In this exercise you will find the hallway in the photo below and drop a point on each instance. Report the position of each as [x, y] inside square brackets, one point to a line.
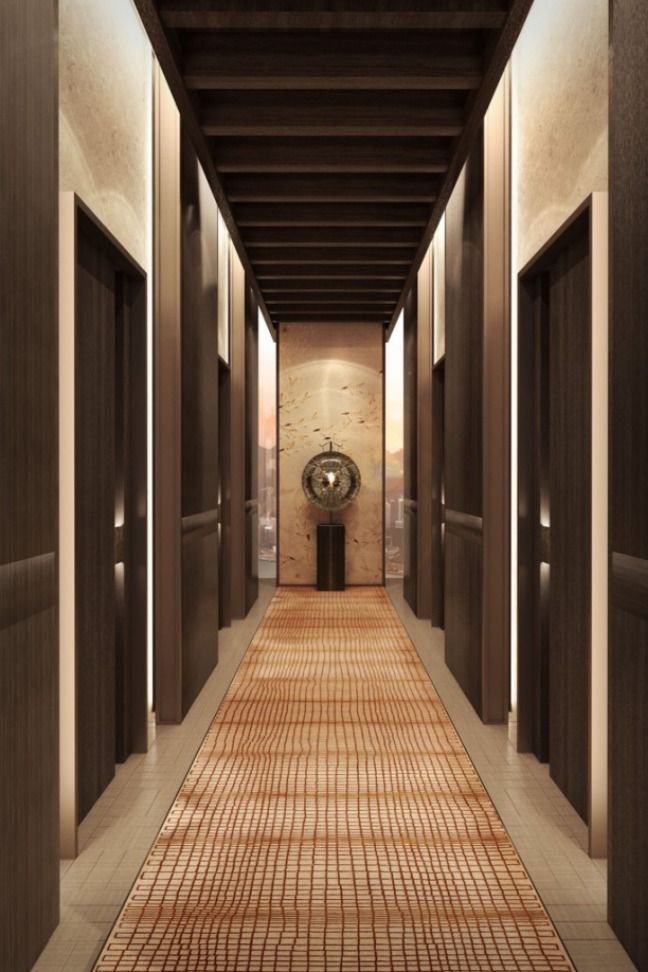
[324, 558]
[332, 819]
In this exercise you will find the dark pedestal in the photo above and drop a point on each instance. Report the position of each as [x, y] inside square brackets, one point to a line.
[330, 557]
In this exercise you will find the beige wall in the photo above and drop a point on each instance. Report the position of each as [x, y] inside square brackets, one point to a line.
[105, 73]
[560, 115]
[331, 383]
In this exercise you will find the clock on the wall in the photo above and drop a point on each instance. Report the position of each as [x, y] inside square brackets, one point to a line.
[331, 481]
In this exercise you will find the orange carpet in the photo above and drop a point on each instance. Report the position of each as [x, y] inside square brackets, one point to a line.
[332, 821]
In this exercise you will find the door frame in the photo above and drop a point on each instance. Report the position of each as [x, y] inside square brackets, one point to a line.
[72, 211]
[532, 542]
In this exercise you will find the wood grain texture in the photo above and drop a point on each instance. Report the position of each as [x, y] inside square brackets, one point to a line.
[200, 431]
[167, 390]
[95, 520]
[555, 535]
[437, 495]
[29, 870]
[463, 426]
[570, 435]
[237, 439]
[251, 448]
[364, 104]
[463, 611]
[628, 649]
[225, 506]
[410, 452]
[464, 339]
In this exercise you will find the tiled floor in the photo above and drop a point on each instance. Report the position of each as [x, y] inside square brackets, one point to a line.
[121, 828]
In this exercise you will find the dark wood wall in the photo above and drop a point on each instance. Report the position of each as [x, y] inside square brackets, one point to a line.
[110, 508]
[251, 447]
[410, 452]
[463, 427]
[555, 535]
[628, 650]
[200, 430]
[570, 475]
[95, 520]
[29, 868]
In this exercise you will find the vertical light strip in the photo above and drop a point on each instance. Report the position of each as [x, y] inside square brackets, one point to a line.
[67, 586]
[598, 810]
[514, 389]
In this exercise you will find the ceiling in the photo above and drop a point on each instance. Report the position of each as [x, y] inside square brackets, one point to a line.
[333, 133]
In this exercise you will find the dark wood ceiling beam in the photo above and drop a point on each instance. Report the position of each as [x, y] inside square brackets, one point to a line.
[265, 256]
[164, 50]
[319, 214]
[256, 15]
[329, 113]
[319, 297]
[346, 289]
[280, 187]
[343, 317]
[339, 269]
[496, 59]
[379, 310]
[310, 60]
[366, 155]
[312, 275]
[307, 300]
[332, 237]
[333, 113]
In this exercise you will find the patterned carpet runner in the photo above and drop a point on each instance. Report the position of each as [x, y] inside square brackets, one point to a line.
[332, 821]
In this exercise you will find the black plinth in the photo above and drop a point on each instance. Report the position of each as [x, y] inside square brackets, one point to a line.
[330, 557]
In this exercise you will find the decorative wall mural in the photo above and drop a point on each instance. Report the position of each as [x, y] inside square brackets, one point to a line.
[331, 387]
[331, 480]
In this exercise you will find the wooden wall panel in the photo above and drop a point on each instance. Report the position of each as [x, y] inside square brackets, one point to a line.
[417, 459]
[410, 452]
[237, 440]
[463, 610]
[167, 390]
[628, 650]
[95, 521]
[463, 428]
[464, 338]
[200, 432]
[571, 512]
[29, 869]
[251, 448]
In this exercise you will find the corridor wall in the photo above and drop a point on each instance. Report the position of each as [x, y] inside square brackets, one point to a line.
[105, 115]
[628, 648]
[29, 666]
[331, 386]
[476, 413]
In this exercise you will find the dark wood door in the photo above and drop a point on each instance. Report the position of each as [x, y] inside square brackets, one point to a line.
[438, 496]
[110, 510]
[224, 496]
[251, 448]
[96, 514]
[410, 454]
[555, 508]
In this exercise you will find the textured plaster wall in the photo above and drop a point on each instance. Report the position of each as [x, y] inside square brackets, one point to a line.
[560, 115]
[105, 72]
[331, 384]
